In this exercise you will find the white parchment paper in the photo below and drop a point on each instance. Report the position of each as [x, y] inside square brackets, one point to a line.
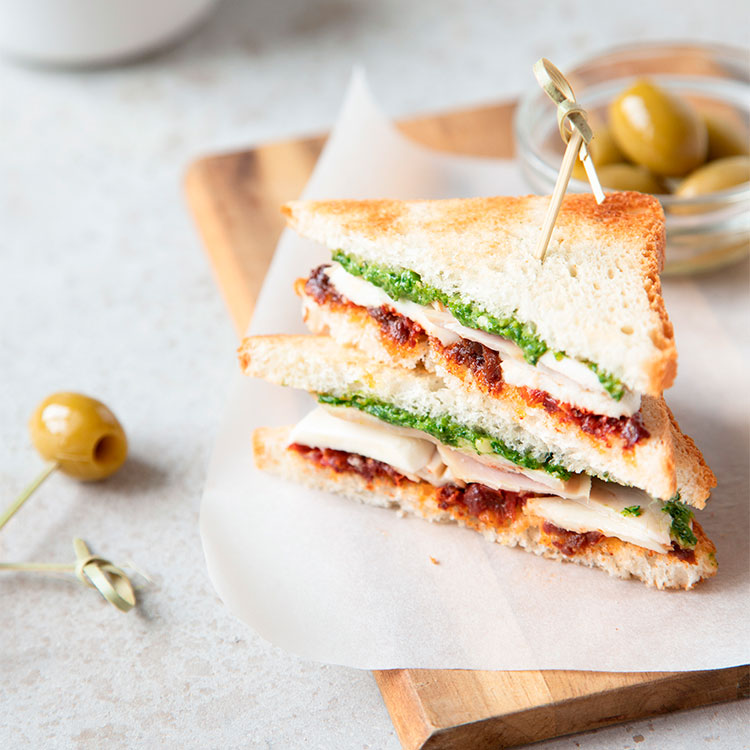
[338, 582]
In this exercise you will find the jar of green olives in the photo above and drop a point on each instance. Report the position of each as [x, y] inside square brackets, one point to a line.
[668, 119]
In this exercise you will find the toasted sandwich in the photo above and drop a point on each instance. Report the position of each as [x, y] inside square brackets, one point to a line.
[388, 436]
[464, 380]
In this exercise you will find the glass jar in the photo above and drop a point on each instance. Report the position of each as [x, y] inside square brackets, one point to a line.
[702, 232]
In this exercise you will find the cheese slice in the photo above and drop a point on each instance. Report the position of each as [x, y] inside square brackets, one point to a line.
[603, 512]
[567, 379]
[320, 429]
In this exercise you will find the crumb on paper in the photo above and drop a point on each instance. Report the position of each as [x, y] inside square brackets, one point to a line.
[434, 561]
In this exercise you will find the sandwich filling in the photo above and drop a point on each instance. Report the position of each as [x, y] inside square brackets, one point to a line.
[401, 283]
[448, 431]
[527, 361]
[346, 439]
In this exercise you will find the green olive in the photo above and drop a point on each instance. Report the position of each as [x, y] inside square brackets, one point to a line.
[603, 151]
[80, 434]
[715, 176]
[724, 138]
[658, 130]
[630, 177]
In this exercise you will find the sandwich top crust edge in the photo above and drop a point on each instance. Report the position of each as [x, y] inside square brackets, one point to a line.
[597, 295]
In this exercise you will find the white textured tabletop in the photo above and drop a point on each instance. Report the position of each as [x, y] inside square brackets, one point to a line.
[104, 289]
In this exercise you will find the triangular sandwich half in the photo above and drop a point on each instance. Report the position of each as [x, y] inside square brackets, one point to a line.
[409, 439]
[588, 321]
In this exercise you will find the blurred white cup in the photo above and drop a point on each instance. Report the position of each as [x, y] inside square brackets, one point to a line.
[94, 32]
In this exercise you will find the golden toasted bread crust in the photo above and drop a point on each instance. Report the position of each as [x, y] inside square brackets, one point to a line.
[694, 477]
[650, 230]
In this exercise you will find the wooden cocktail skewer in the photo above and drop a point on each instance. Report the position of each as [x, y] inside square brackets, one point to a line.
[109, 580]
[14, 507]
[574, 128]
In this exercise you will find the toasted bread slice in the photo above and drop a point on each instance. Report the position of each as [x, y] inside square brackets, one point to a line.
[596, 296]
[321, 365]
[526, 530]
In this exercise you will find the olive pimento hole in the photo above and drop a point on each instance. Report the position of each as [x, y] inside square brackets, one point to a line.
[105, 449]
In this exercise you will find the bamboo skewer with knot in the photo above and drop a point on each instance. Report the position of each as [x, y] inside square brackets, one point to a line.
[576, 132]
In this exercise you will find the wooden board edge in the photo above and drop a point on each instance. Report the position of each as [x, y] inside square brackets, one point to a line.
[404, 707]
[662, 693]
[427, 129]
[228, 224]
[225, 265]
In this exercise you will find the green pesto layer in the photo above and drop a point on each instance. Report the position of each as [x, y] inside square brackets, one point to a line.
[445, 429]
[401, 283]
[681, 516]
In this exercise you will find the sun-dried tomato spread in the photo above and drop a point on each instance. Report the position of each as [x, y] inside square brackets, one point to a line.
[569, 542]
[476, 505]
[397, 327]
[486, 366]
[502, 506]
[484, 363]
[496, 506]
[341, 461]
[629, 429]
[319, 287]
[687, 555]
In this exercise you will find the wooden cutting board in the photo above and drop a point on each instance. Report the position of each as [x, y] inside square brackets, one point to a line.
[235, 200]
